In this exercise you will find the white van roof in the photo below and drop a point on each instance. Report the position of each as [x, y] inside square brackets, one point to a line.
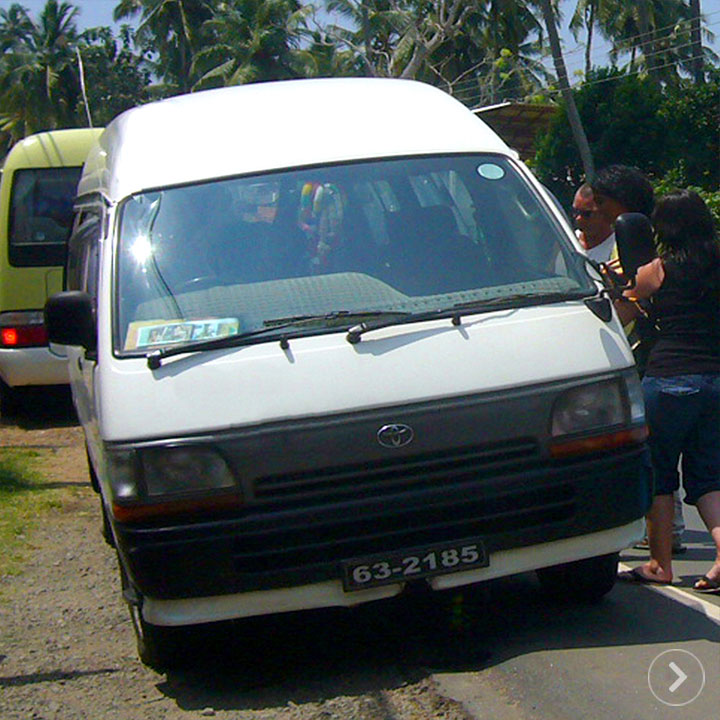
[269, 126]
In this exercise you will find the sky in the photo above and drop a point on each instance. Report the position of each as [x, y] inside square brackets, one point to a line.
[99, 12]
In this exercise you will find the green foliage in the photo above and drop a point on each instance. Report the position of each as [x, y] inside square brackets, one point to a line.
[169, 34]
[115, 78]
[691, 116]
[38, 78]
[628, 119]
[250, 41]
[480, 52]
[673, 181]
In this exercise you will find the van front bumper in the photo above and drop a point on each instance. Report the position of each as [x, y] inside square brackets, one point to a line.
[32, 366]
[192, 611]
[525, 518]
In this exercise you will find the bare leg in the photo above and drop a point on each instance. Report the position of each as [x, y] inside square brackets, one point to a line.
[709, 507]
[659, 528]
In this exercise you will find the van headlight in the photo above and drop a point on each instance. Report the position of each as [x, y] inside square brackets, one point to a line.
[183, 470]
[588, 408]
[597, 416]
[166, 471]
[169, 480]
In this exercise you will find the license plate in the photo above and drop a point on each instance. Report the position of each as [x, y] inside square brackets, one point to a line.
[388, 568]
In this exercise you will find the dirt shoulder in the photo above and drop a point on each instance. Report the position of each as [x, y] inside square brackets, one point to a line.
[67, 649]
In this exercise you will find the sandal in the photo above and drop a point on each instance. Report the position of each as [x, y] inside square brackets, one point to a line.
[636, 576]
[709, 586]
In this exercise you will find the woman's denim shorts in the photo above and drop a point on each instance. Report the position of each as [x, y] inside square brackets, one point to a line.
[683, 413]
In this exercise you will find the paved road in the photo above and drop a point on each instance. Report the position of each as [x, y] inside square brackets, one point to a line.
[624, 658]
[690, 566]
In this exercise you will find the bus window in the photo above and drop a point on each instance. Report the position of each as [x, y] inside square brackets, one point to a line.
[41, 213]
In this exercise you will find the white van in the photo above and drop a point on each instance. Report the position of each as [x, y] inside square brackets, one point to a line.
[329, 338]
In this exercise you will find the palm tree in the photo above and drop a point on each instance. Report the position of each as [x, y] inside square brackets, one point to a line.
[649, 31]
[550, 19]
[328, 58]
[510, 36]
[584, 16]
[660, 35]
[38, 78]
[375, 33]
[15, 27]
[170, 30]
[397, 38]
[253, 40]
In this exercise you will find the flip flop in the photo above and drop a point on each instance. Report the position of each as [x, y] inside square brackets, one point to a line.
[712, 587]
[635, 576]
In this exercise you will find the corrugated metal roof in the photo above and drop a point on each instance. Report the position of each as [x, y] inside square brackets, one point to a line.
[518, 124]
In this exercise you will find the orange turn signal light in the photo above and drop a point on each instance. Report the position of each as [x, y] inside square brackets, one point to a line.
[599, 443]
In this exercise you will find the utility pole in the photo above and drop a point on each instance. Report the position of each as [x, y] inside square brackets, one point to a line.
[81, 70]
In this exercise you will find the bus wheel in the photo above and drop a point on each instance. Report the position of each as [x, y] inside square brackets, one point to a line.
[10, 400]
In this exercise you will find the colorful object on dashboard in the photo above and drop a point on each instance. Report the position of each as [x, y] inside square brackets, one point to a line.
[321, 214]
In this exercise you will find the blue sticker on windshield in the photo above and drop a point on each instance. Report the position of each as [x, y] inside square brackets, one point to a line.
[491, 171]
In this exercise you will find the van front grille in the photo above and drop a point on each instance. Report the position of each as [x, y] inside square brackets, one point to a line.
[380, 478]
[433, 517]
[352, 511]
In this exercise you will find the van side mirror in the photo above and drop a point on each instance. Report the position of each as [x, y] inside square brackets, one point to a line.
[70, 320]
[634, 237]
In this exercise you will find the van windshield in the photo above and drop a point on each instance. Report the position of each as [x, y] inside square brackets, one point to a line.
[391, 236]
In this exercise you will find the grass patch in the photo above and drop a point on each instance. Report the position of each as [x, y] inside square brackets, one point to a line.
[25, 499]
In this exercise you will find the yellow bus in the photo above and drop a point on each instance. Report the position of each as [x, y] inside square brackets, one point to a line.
[37, 190]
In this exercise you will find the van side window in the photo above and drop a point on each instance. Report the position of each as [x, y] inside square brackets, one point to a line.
[41, 214]
[83, 254]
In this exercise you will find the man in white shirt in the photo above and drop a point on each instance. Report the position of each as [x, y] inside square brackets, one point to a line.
[618, 189]
[594, 230]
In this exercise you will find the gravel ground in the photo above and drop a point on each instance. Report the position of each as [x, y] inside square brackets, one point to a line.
[67, 649]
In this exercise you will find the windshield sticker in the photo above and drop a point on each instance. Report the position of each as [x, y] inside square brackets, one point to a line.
[491, 171]
[154, 333]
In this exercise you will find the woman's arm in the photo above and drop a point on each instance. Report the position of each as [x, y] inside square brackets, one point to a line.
[648, 280]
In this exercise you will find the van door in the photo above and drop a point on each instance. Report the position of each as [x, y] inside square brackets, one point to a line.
[82, 274]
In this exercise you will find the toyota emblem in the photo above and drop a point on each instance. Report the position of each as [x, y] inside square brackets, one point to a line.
[395, 435]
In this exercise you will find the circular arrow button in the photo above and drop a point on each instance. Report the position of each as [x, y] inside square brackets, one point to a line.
[676, 677]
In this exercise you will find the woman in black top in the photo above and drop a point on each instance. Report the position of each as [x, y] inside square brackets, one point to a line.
[682, 379]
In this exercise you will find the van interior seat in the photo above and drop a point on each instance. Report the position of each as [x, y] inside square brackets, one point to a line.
[428, 254]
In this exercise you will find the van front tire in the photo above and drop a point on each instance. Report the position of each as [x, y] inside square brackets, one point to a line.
[160, 648]
[583, 581]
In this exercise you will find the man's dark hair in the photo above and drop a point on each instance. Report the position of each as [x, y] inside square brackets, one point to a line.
[627, 185]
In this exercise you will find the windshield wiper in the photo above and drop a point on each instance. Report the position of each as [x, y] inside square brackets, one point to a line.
[518, 300]
[334, 316]
[155, 358]
[457, 310]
